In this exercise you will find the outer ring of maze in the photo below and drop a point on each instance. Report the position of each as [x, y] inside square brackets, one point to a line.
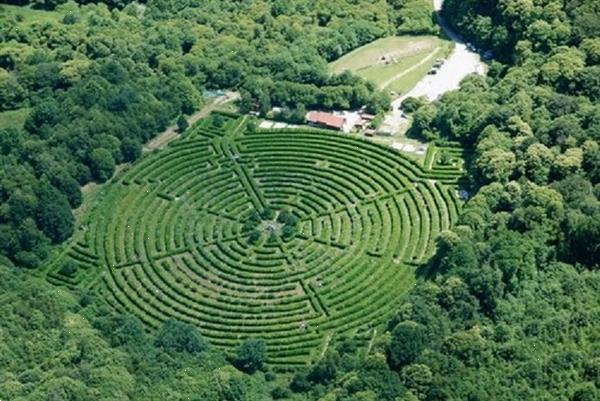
[174, 245]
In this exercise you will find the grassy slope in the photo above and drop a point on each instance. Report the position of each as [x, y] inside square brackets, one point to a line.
[29, 14]
[408, 81]
[406, 52]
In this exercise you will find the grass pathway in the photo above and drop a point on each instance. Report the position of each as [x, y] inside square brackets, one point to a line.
[171, 133]
[396, 77]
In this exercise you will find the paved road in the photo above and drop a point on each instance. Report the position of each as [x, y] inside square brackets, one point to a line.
[458, 65]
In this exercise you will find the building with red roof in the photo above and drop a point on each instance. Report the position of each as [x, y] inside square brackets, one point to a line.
[326, 120]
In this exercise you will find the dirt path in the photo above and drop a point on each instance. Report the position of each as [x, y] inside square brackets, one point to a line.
[170, 134]
[409, 70]
[91, 190]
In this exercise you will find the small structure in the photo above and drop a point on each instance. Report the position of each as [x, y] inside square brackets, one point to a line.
[367, 116]
[346, 120]
[369, 132]
[385, 130]
[326, 120]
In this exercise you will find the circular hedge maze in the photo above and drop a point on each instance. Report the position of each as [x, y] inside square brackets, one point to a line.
[290, 235]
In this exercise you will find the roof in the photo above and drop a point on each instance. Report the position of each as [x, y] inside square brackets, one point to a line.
[328, 119]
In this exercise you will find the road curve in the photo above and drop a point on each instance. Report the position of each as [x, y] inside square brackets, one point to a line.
[458, 65]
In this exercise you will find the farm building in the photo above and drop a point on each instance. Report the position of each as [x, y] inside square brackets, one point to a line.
[346, 121]
[326, 120]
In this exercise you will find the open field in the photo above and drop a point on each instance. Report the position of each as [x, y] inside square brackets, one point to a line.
[394, 63]
[30, 15]
[13, 118]
[172, 235]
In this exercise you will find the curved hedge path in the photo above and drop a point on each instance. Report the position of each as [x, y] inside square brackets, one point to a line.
[171, 241]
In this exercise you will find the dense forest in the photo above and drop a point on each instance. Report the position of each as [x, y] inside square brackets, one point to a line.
[510, 309]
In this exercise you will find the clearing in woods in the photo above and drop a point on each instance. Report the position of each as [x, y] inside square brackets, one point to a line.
[394, 63]
[14, 118]
[292, 235]
[34, 16]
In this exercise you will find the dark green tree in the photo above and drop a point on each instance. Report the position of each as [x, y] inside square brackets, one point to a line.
[180, 337]
[69, 268]
[408, 341]
[131, 148]
[182, 123]
[102, 164]
[54, 215]
[251, 355]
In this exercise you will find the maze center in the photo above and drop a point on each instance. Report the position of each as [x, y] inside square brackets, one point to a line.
[172, 237]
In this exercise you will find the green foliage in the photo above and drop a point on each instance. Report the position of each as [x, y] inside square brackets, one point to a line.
[288, 231]
[408, 341]
[325, 370]
[69, 268]
[89, 353]
[54, 215]
[273, 239]
[412, 104]
[507, 308]
[508, 311]
[122, 330]
[284, 217]
[182, 123]
[218, 120]
[70, 18]
[267, 213]
[280, 393]
[377, 120]
[180, 337]
[251, 355]
[102, 164]
[131, 149]
[414, 16]
[254, 236]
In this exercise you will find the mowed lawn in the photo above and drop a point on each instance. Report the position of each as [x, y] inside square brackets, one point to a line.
[395, 63]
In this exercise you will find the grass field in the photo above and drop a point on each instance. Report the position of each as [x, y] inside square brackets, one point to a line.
[394, 63]
[171, 236]
[13, 118]
[29, 14]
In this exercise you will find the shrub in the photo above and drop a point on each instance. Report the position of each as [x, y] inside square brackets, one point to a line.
[251, 355]
[300, 383]
[279, 393]
[69, 268]
[412, 104]
[254, 236]
[267, 213]
[182, 123]
[288, 231]
[408, 339]
[180, 337]
[70, 18]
